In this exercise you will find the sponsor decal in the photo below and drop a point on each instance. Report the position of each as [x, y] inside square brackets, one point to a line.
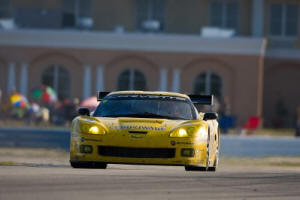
[142, 127]
[186, 143]
[128, 127]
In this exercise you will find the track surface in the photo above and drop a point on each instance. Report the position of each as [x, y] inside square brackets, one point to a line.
[147, 182]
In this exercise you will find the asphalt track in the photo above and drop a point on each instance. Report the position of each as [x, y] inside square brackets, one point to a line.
[147, 182]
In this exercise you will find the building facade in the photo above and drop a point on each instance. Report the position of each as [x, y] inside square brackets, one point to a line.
[244, 51]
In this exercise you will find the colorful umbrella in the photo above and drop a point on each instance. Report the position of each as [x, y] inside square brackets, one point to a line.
[18, 100]
[45, 94]
[90, 102]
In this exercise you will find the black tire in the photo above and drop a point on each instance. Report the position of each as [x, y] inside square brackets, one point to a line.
[89, 165]
[194, 168]
[75, 165]
[212, 169]
[99, 165]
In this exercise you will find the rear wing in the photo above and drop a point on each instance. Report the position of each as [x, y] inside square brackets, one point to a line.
[202, 99]
[101, 95]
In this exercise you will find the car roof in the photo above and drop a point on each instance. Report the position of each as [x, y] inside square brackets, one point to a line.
[151, 93]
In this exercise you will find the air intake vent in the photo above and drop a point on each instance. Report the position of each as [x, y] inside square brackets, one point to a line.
[138, 132]
[136, 152]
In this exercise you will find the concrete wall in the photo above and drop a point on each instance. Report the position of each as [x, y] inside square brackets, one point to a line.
[180, 16]
[183, 17]
[108, 14]
[282, 81]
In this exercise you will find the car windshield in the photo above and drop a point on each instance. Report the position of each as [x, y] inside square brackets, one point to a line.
[146, 106]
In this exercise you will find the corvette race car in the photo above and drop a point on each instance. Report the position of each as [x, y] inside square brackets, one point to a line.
[137, 127]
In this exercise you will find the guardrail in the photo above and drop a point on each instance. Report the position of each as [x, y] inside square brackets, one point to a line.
[37, 138]
[251, 146]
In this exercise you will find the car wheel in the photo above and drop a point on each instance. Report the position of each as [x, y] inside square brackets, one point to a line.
[211, 169]
[214, 167]
[89, 165]
[98, 165]
[194, 168]
[76, 165]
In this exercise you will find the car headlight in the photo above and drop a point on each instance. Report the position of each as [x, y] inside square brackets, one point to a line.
[92, 129]
[198, 132]
[179, 133]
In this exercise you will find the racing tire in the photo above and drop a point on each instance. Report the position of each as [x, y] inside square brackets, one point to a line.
[89, 165]
[194, 168]
[214, 167]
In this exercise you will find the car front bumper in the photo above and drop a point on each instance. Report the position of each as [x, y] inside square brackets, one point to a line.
[162, 151]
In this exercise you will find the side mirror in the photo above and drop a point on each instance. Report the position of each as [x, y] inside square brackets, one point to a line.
[210, 116]
[84, 111]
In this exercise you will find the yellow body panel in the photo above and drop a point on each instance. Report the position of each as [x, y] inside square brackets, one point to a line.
[127, 132]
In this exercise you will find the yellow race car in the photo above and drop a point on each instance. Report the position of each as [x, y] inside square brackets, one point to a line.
[137, 127]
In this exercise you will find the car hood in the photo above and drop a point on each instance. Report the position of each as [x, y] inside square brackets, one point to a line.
[143, 124]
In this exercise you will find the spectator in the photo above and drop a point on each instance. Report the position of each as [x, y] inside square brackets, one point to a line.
[75, 107]
[45, 114]
[69, 110]
[57, 114]
[226, 120]
[34, 113]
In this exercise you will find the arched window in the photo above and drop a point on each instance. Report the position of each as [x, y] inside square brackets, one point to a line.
[59, 79]
[131, 79]
[208, 83]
